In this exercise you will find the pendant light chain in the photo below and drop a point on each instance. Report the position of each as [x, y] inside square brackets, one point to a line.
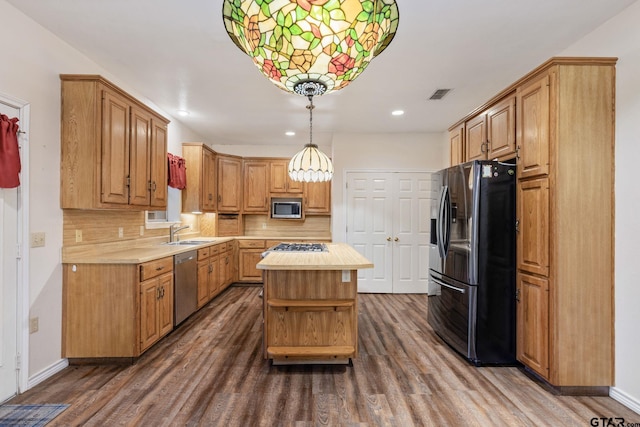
[310, 107]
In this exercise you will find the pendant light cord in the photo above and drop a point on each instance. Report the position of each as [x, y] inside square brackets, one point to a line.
[310, 107]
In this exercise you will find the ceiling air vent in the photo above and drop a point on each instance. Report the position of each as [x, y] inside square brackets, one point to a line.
[439, 94]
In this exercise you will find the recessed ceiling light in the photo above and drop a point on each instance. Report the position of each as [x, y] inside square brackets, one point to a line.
[290, 133]
[183, 113]
[397, 112]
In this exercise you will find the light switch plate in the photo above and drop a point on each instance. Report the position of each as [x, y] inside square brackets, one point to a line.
[37, 239]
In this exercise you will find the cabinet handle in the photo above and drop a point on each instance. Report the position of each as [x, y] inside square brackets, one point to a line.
[482, 147]
[517, 295]
[210, 196]
[159, 268]
[219, 198]
[517, 225]
[157, 293]
[518, 153]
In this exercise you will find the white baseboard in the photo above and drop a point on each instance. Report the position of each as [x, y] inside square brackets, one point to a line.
[624, 398]
[46, 373]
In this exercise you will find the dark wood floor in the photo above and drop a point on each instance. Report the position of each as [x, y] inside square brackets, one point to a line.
[210, 372]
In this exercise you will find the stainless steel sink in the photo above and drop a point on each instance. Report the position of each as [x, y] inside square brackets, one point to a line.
[183, 242]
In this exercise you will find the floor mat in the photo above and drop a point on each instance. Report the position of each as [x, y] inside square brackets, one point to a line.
[29, 415]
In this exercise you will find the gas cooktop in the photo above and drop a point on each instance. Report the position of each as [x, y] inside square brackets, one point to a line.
[300, 247]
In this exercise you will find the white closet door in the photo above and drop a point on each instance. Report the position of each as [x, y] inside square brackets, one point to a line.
[411, 226]
[369, 227]
[388, 221]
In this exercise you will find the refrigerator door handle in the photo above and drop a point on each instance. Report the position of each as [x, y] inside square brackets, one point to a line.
[440, 223]
[446, 226]
[441, 283]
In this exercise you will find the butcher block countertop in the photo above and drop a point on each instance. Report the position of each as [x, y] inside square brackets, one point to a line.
[340, 256]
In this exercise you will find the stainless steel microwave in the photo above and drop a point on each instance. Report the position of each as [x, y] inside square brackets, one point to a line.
[286, 208]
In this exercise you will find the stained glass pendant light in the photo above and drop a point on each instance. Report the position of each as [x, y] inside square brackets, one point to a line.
[323, 43]
[310, 164]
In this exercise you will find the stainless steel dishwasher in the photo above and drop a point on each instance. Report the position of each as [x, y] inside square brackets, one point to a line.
[185, 285]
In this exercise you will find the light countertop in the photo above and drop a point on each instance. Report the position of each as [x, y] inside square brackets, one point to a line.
[339, 256]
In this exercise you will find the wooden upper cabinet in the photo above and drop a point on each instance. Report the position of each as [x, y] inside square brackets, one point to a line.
[107, 155]
[317, 198]
[256, 186]
[200, 192]
[114, 147]
[159, 189]
[501, 130]
[280, 181]
[533, 127]
[476, 138]
[456, 145]
[229, 184]
[140, 161]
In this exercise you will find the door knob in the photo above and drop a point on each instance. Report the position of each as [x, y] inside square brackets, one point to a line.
[388, 239]
[396, 239]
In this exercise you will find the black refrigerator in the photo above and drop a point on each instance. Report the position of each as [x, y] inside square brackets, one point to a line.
[472, 261]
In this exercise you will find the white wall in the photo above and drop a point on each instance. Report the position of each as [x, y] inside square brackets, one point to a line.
[620, 37]
[383, 152]
[32, 59]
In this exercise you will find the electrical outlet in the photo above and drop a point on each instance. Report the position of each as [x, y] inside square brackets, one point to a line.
[120, 232]
[142, 230]
[33, 325]
[264, 225]
[78, 236]
[37, 239]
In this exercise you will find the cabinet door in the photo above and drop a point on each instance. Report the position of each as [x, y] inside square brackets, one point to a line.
[255, 183]
[476, 138]
[317, 199]
[159, 191]
[532, 128]
[209, 176]
[204, 273]
[229, 184]
[247, 260]
[533, 226]
[149, 313]
[280, 181]
[165, 304]
[532, 345]
[456, 146]
[139, 162]
[501, 129]
[115, 149]
[216, 276]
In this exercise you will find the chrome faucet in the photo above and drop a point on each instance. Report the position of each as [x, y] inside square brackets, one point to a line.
[173, 232]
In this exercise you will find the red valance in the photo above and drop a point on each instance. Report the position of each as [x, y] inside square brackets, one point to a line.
[9, 152]
[177, 172]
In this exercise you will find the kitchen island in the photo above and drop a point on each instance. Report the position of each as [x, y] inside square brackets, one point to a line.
[310, 305]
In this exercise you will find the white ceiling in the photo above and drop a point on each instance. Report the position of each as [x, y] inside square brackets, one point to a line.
[177, 54]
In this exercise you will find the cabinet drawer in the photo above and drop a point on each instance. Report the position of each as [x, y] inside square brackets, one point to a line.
[204, 253]
[215, 249]
[251, 244]
[155, 268]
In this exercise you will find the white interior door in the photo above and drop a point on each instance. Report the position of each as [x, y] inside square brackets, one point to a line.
[8, 283]
[369, 227]
[388, 221]
[411, 227]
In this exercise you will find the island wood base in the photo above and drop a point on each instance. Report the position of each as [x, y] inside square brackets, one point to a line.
[310, 316]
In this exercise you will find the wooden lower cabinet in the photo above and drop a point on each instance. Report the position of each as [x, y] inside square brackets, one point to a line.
[532, 346]
[250, 254]
[310, 315]
[227, 267]
[156, 309]
[115, 310]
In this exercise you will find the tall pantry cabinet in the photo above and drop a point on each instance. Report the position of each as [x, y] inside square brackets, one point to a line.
[565, 221]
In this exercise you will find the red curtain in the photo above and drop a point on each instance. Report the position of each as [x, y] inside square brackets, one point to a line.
[9, 153]
[177, 172]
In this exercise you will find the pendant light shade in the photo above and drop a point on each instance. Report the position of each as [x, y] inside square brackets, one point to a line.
[329, 42]
[310, 165]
